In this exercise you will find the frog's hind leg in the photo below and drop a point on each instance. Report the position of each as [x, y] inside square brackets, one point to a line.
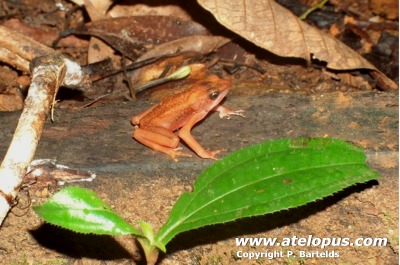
[160, 140]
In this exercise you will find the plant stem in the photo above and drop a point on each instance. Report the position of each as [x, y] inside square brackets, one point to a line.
[312, 9]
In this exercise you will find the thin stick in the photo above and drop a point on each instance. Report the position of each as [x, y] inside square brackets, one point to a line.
[22, 45]
[48, 73]
[320, 5]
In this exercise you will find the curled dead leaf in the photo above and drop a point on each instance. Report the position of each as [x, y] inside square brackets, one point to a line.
[186, 48]
[274, 28]
[134, 35]
[198, 72]
[200, 44]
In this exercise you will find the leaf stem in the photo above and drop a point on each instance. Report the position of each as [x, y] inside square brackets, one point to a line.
[312, 9]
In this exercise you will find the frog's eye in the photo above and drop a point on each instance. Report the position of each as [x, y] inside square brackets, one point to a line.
[214, 95]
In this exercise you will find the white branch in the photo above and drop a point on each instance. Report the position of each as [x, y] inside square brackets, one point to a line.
[48, 73]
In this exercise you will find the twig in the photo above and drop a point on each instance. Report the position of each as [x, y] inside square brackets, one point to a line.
[49, 72]
[313, 8]
[13, 59]
[21, 46]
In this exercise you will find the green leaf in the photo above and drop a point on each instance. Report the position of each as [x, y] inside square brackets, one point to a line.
[180, 73]
[82, 211]
[266, 178]
[150, 248]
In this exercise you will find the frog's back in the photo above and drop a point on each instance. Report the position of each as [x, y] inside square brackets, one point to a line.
[175, 111]
[172, 113]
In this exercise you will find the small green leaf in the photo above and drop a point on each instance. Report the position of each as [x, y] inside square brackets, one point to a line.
[150, 248]
[266, 178]
[180, 73]
[147, 231]
[82, 211]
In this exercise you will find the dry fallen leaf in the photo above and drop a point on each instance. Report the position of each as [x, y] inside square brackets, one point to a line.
[98, 49]
[44, 35]
[134, 35]
[274, 28]
[390, 8]
[196, 43]
[47, 172]
[97, 9]
[100, 5]
[162, 67]
[158, 93]
[11, 99]
[185, 48]
[121, 10]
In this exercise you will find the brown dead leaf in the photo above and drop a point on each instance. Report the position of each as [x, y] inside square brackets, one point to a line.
[11, 99]
[120, 10]
[198, 43]
[43, 34]
[163, 67]
[186, 48]
[97, 10]
[389, 8]
[134, 35]
[158, 93]
[274, 28]
[356, 81]
[98, 49]
[43, 173]
[101, 5]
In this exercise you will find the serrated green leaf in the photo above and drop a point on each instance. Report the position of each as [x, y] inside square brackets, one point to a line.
[266, 178]
[82, 211]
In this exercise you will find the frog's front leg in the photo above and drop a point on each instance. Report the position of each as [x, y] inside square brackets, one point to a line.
[159, 139]
[225, 112]
[185, 134]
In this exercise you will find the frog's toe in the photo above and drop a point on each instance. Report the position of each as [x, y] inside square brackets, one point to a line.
[174, 153]
[228, 113]
[212, 154]
[239, 113]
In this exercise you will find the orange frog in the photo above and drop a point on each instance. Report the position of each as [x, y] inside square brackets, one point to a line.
[155, 127]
